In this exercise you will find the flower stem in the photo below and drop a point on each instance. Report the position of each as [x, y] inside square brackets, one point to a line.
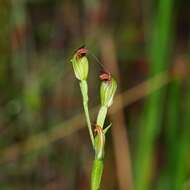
[97, 170]
[98, 164]
[84, 91]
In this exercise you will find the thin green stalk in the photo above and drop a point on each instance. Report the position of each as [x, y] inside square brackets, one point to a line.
[182, 162]
[97, 170]
[84, 91]
[158, 54]
[167, 178]
[182, 165]
[173, 113]
[172, 131]
[98, 163]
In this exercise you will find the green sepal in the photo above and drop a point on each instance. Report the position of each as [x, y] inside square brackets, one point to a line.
[107, 128]
[107, 92]
[80, 67]
[99, 143]
[102, 116]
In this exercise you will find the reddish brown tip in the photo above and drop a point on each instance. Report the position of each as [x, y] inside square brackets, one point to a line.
[81, 52]
[105, 76]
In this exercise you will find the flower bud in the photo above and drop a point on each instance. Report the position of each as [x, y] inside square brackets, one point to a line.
[107, 89]
[80, 64]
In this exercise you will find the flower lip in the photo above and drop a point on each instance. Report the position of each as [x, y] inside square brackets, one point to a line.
[105, 76]
[82, 51]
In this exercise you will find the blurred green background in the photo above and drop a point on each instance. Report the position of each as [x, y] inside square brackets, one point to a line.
[43, 140]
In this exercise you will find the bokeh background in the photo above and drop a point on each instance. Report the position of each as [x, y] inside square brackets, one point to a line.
[44, 143]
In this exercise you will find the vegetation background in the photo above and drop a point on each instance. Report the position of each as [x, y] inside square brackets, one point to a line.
[43, 140]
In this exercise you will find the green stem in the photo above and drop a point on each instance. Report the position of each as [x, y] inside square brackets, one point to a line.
[97, 171]
[98, 163]
[102, 116]
[84, 91]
